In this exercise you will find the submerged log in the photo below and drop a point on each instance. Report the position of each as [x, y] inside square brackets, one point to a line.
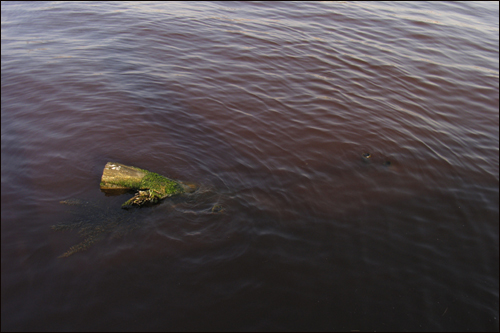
[151, 187]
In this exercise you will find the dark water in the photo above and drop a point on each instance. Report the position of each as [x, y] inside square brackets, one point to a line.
[269, 107]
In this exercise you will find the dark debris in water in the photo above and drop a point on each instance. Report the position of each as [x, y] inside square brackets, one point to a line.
[369, 159]
[217, 209]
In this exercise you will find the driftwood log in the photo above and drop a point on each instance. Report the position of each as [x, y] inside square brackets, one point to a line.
[151, 187]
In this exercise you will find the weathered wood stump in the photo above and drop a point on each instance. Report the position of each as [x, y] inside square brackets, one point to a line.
[120, 176]
[151, 186]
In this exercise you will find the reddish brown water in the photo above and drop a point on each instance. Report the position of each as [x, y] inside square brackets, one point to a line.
[269, 106]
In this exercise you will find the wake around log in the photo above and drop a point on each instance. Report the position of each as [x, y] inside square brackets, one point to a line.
[151, 187]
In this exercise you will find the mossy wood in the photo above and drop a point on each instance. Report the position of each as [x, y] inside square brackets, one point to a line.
[151, 186]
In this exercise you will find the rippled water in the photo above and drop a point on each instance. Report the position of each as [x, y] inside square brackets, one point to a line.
[269, 107]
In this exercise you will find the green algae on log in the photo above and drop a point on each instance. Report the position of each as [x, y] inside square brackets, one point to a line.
[151, 187]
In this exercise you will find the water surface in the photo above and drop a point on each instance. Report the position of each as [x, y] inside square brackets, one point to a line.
[269, 107]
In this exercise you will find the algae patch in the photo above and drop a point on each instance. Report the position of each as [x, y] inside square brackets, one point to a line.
[94, 222]
[152, 188]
